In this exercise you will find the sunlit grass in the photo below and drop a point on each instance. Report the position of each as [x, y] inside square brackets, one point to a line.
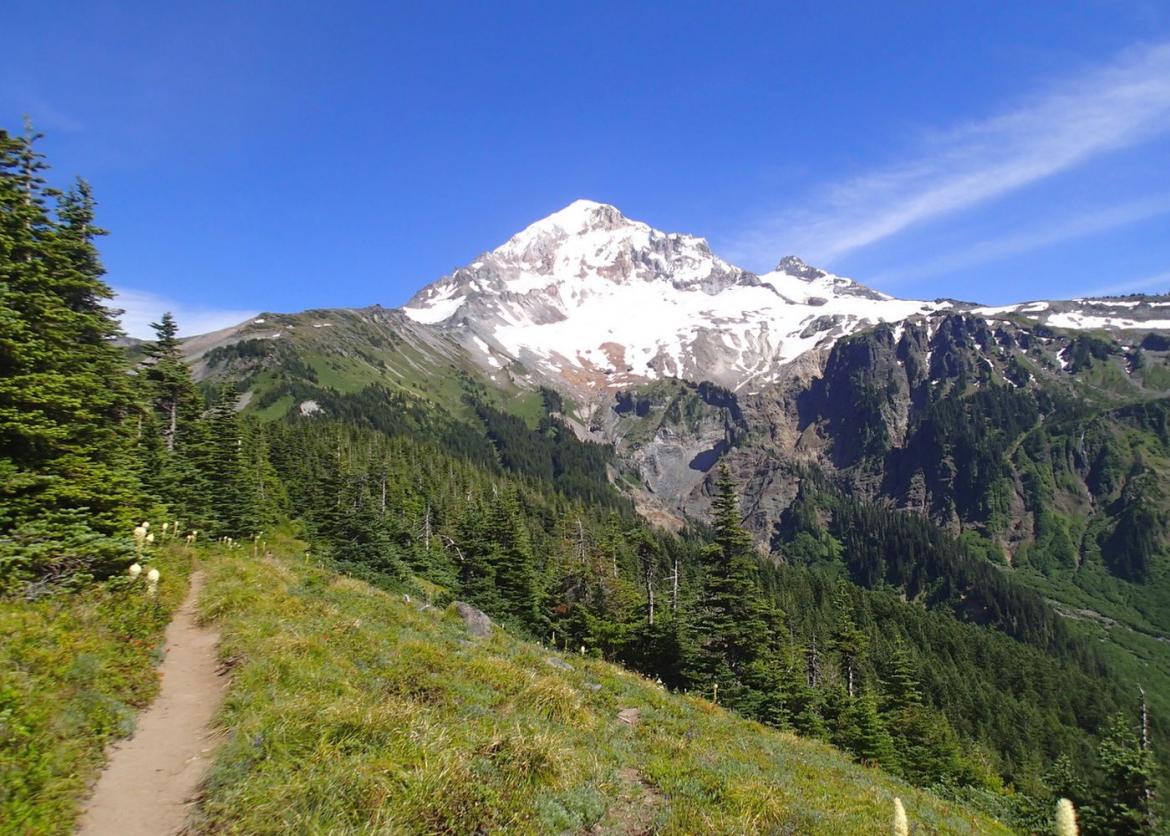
[74, 668]
[354, 711]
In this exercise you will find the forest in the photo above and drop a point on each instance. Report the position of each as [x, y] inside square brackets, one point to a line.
[876, 631]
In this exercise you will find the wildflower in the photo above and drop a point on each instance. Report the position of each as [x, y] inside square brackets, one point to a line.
[135, 569]
[1066, 818]
[901, 824]
[139, 539]
[146, 525]
[150, 538]
[166, 527]
[152, 582]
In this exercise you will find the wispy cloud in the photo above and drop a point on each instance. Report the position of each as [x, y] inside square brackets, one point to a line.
[1113, 107]
[1161, 281]
[142, 307]
[1085, 223]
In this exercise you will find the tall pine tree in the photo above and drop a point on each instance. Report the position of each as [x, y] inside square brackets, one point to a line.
[66, 481]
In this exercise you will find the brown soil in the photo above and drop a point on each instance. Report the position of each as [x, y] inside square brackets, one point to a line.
[151, 780]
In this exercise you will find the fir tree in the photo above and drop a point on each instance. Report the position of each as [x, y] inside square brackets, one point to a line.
[1128, 782]
[64, 391]
[222, 461]
[732, 621]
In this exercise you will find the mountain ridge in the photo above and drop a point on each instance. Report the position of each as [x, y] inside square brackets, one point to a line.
[591, 302]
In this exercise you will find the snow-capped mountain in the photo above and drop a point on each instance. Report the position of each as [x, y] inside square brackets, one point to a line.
[590, 299]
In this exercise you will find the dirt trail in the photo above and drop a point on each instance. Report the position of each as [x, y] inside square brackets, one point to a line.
[149, 783]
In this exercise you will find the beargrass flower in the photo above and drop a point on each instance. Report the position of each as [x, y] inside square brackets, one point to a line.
[901, 823]
[1066, 818]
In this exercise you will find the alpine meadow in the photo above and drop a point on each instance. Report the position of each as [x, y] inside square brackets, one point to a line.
[599, 532]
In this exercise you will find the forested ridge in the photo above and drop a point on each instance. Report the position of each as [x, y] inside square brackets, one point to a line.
[878, 632]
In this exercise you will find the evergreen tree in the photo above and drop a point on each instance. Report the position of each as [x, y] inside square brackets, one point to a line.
[172, 392]
[731, 624]
[222, 462]
[864, 733]
[174, 434]
[1128, 782]
[901, 685]
[848, 641]
[512, 559]
[64, 393]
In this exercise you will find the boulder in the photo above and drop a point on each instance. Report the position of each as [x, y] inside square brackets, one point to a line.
[478, 624]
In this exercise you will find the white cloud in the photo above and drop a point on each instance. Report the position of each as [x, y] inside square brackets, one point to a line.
[142, 307]
[1118, 106]
[1083, 224]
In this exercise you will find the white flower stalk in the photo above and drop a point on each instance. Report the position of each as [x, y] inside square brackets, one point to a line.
[146, 525]
[152, 582]
[135, 570]
[901, 823]
[150, 539]
[139, 539]
[1066, 819]
[166, 528]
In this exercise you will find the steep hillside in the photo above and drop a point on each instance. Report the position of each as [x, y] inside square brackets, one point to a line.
[286, 363]
[354, 709]
[993, 469]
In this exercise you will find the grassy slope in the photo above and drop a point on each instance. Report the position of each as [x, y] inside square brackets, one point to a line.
[73, 668]
[351, 710]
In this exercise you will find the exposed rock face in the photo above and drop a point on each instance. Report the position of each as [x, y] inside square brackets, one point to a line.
[670, 434]
[477, 622]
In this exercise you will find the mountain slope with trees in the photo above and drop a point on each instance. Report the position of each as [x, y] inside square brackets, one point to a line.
[878, 632]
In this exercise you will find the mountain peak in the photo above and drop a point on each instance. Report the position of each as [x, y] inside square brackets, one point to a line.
[592, 299]
[794, 266]
[578, 218]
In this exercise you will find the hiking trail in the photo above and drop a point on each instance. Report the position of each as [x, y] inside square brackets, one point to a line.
[149, 784]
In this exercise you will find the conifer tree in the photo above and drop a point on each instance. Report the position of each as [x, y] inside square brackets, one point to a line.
[731, 623]
[512, 559]
[902, 689]
[865, 734]
[173, 433]
[173, 395]
[222, 461]
[1128, 782]
[848, 641]
[65, 460]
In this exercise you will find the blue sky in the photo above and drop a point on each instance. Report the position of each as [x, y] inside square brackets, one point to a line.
[284, 155]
